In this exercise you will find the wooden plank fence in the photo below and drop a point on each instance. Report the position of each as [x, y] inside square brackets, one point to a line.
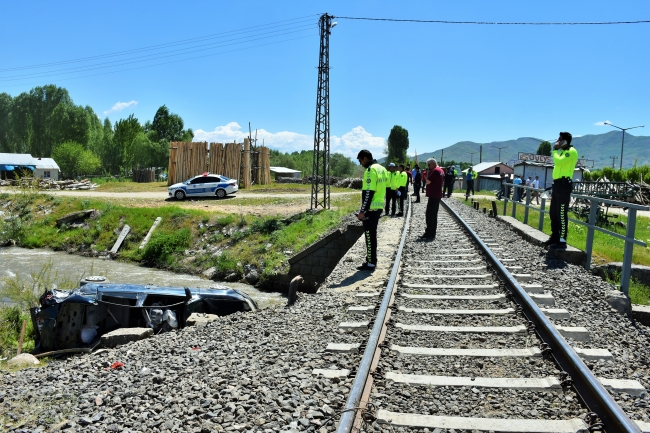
[187, 160]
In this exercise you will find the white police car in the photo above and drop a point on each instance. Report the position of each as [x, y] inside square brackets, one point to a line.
[205, 185]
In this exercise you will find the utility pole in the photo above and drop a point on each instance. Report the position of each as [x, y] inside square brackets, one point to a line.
[613, 158]
[320, 177]
[471, 157]
[497, 147]
[442, 155]
[480, 154]
[620, 167]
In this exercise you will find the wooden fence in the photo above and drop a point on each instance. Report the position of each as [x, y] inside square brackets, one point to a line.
[144, 175]
[187, 160]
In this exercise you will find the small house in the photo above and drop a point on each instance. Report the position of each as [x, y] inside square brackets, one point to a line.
[14, 165]
[489, 175]
[285, 172]
[46, 168]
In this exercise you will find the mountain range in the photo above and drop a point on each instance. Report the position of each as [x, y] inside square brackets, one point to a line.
[598, 148]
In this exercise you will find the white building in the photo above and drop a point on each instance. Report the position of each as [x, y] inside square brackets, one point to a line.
[544, 171]
[12, 164]
[285, 172]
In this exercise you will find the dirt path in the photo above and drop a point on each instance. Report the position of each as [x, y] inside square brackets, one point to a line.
[164, 195]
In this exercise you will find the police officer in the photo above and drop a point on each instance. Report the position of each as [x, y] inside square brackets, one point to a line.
[402, 188]
[375, 178]
[565, 158]
[391, 189]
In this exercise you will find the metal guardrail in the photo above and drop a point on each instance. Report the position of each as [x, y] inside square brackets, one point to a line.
[594, 202]
[358, 386]
[589, 388]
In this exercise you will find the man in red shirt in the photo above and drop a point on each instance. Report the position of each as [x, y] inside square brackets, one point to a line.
[435, 180]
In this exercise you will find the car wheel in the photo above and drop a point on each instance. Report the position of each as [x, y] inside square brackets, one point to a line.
[221, 193]
[180, 195]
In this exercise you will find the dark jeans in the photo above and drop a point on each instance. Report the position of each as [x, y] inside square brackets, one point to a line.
[501, 192]
[391, 196]
[416, 191]
[470, 186]
[559, 212]
[449, 188]
[402, 196]
[370, 228]
[432, 217]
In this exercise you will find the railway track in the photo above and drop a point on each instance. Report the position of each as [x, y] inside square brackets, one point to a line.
[460, 339]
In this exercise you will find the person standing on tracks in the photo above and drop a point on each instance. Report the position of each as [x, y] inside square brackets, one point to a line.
[401, 188]
[391, 190]
[449, 181]
[409, 177]
[469, 178]
[417, 183]
[565, 158]
[435, 180]
[424, 179]
[375, 179]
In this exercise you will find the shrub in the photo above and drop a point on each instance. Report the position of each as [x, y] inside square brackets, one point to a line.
[162, 246]
[266, 227]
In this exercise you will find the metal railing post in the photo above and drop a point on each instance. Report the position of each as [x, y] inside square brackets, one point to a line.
[542, 208]
[593, 212]
[627, 252]
[527, 206]
[505, 200]
[514, 202]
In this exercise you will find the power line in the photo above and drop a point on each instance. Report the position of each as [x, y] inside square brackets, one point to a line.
[157, 56]
[521, 23]
[167, 44]
[169, 62]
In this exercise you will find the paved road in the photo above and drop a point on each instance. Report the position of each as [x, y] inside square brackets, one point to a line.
[162, 195]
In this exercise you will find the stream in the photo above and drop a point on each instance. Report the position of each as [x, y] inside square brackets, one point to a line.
[22, 262]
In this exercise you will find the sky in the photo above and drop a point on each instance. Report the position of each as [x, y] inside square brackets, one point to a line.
[221, 65]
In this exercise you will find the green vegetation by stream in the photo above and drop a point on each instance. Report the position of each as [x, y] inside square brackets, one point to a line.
[187, 240]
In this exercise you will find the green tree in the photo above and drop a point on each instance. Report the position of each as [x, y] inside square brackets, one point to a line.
[544, 148]
[88, 163]
[397, 145]
[73, 159]
[168, 126]
[341, 165]
[6, 104]
[125, 133]
[68, 122]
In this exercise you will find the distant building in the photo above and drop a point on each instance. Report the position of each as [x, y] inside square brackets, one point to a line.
[489, 175]
[544, 171]
[14, 165]
[285, 172]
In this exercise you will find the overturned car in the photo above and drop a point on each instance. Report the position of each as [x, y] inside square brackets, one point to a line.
[77, 318]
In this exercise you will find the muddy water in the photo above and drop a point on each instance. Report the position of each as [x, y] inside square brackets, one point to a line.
[21, 262]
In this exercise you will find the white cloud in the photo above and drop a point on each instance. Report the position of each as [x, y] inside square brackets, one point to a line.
[601, 123]
[286, 141]
[119, 106]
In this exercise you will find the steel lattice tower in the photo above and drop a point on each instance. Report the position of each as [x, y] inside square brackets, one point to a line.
[320, 179]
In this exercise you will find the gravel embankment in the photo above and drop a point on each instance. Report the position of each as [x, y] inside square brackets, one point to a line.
[246, 372]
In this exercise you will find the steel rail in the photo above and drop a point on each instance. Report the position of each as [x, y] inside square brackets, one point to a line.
[592, 392]
[350, 412]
